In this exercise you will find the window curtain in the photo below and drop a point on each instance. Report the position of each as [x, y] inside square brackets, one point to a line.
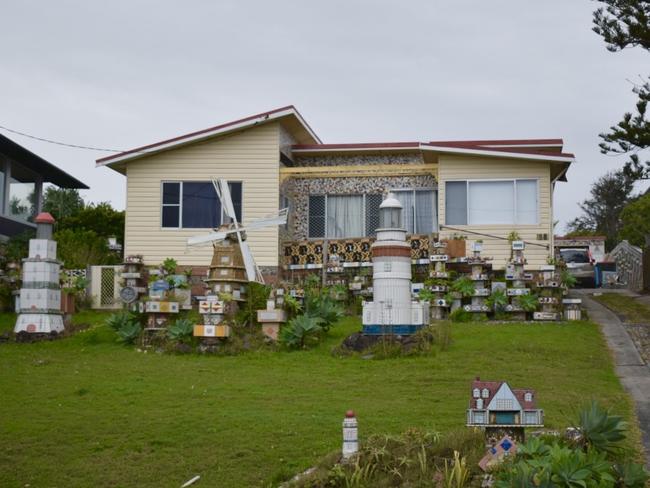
[526, 201]
[345, 216]
[424, 214]
[491, 202]
[456, 203]
[407, 199]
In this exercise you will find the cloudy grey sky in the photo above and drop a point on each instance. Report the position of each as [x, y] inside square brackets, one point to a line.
[121, 74]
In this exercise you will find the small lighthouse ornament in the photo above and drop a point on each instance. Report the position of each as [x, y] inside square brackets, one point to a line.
[392, 312]
[40, 295]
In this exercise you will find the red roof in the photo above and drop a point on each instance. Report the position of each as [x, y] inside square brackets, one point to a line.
[493, 387]
[44, 218]
[190, 135]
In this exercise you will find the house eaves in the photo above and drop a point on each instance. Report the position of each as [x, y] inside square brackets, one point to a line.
[281, 114]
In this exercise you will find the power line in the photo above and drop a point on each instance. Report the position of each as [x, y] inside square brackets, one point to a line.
[58, 143]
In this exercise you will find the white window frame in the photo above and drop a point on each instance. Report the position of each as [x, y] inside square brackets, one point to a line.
[434, 206]
[363, 210]
[180, 204]
[514, 203]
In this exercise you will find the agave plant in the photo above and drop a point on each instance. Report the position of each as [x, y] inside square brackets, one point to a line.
[292, 305]
[600, 429]
[301, 332]
[181, 330]
[117, 320]
[129, 332]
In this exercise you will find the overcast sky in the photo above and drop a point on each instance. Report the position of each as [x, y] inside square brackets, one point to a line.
[121, 74]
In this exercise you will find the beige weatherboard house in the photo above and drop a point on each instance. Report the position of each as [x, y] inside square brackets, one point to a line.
[479, 189]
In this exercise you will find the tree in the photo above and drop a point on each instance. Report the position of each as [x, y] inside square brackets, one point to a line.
[62, 202]
[78, 248]
[100, 218]
[635, 221]
[622, 24]
[602, 212]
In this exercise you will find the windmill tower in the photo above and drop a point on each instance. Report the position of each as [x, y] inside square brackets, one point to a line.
[232, 266]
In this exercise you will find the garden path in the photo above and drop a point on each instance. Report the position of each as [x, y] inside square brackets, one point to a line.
[633, 372]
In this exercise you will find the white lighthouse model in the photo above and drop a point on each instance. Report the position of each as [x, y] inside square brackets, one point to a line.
[40, 295]
[392, 312]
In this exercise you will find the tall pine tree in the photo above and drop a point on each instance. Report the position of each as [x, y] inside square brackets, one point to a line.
[623, 24]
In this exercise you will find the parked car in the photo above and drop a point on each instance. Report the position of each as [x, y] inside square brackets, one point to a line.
[580, 264]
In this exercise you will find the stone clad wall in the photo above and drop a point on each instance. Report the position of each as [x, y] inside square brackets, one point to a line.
[297, 190]
[357, 159]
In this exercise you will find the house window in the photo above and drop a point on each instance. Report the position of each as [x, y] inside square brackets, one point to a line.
[482, 202]
[504, 404]
[528, 397]
[476, 393]
[479, 403]
[530, 417]
[195, 204]
[339, 216]
[419, 210]
[479, 417]
[485, 393]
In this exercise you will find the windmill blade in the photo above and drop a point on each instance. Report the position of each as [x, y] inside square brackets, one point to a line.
[223, 192]
[251, 268]
[278, 219]
[207, 239]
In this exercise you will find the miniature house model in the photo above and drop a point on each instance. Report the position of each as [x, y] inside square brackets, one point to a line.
[392, 311]
[494, 404]
[40, 295]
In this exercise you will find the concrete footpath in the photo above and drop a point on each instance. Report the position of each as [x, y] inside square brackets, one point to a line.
[630, 367]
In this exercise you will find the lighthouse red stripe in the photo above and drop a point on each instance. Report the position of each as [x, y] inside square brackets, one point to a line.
[399, 251]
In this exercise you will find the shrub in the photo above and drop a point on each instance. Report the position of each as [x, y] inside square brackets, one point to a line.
[528, 303]
[169, 266]
[426, 295]
[324, 308]
[181, 330]
[461, 315]
[292, 306]
[78, 248]
[464, 286]
[568, 279]
[497, 301]
[256, 296]
[300, 332]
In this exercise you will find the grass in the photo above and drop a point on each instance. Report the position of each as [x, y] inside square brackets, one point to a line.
[85, 411]
[630, 309]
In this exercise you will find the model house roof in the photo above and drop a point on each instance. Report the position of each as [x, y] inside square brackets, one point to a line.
[549, 150]
[49, 172]
[492, 387]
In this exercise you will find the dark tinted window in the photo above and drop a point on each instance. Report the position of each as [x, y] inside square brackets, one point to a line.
[316, 216]
[574, 255]
[201, 206]
[170, 216]
[236, 194]
[171, 193]
[372, 213]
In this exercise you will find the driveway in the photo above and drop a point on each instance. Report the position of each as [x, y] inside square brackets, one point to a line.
[633, 372]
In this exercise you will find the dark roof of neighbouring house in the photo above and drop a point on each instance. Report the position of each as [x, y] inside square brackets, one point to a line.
[49, 172]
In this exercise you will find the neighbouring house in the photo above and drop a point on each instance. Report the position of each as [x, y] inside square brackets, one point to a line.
[594, 244]
[22, 175]
[479, 189]
[495, 404]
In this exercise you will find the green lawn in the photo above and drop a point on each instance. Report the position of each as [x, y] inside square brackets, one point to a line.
[85, 411]
[630, 309]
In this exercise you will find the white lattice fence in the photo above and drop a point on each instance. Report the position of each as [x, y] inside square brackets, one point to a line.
[629, 264]
[70, 277]
[105, 287]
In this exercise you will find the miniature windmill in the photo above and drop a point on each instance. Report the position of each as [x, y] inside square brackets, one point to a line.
[231, 253]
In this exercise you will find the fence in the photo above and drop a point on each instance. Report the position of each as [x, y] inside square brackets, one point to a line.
[105, 287]
[629, 265]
